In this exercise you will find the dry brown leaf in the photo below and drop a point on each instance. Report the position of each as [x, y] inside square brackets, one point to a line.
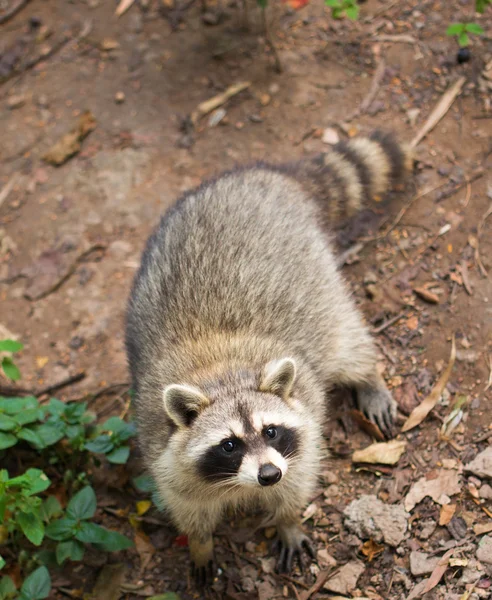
[109, 582]
[368, 426]
[123, 6]
[439, 111]
[145, 549]
[447, 513]
[386, 453]
[424, 408]
[426, 295]
[209, 105]
[70, 143]
[413, 323]
[439, 489]
[481, 528]
[371, 549]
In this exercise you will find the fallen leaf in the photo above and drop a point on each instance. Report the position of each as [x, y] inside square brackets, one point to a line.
[413, 323]
[41, 361]
[368, 426]
[439, 489]
[446, 514]
[371, 549]
[424, 408]
[108, 583]
[426, 295]
[386, 453]
[454, 418]
[145, 549]
[481, 528]
[70, 143]
[481, 465]
[143, 506]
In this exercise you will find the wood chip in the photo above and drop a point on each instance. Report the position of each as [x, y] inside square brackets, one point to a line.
[209, 105]
[123, 6]
[423, 293]
[424, 408]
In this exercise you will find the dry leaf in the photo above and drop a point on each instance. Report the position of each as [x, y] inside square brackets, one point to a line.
[439, 111]
[368, 426]
[439, 489]
[145, 549]
[447, 513]
[424, 408]
[143, 506]
[123, 6]
[371, 549]
[413, 322]
[70, 143]
[426, 295]
[481, 528]
[109, 582]
[387, 453]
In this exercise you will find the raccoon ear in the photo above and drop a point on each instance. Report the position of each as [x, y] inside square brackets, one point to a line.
[183, 403]
[278, 377]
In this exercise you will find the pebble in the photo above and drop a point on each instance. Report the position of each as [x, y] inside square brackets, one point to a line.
[119, 97]
[330, 136]
[484, 551]
[421, 563]
[369, 517]
[16, 101]
[486, 492]
[481, 465]
[345, 580]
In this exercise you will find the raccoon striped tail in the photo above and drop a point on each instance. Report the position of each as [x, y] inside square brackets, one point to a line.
[353, 174]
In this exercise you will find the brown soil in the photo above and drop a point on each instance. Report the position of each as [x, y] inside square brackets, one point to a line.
[139, 159]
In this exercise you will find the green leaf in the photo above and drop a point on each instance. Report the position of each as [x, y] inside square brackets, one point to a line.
[10, 346]
[115, 425]
[481, 5]
[101, 445]
[74, 411]
[73, 431]
[262, 3]
[12, 406]
[166, 596]
[110, 541]
[61, 530]
[49, 434]
[31, 482]
[7, 423]
[144, 483]
[72, 550]
[32, 527]
[50, 508]
[463, 39]
[333, 3]
[7, 588]
[27, 416]
[37, 586]
[7, 440]
[31, 437]
[2, 562]
[474, 28]
[119, 456]
[56, 407]
[10, 370]
[455, 29]
[83, 505]
[352, 12]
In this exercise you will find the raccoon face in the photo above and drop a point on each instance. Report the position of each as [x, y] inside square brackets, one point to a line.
[248, 440]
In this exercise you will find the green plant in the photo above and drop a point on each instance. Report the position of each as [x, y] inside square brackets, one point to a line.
[35, 587]
[462, 30]
[8, 366]
[341, 8]
[112, 441]
[75, 528]
[481, 5]
[21, 508]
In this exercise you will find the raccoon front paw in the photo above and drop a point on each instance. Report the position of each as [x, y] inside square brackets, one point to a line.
[202, 561]
[203, 576]
[292, 543]
[378, 405]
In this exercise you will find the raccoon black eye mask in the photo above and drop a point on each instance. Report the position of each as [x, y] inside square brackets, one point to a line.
[238, 326]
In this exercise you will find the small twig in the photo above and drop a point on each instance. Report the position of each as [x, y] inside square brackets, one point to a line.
[389, 322]
[11, 391]
[439, 111]
[488, 360]
[482, 438]
[372, 93]
[8, 187]
[269, 41]
[61, 384]
[320, 581]
[401, 38]
[13, 11]
[294, 589]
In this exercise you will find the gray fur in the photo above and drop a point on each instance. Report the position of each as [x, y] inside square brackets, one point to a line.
[239, 273]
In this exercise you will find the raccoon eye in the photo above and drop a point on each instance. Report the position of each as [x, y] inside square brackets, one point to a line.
[228, 446]
[271, 432]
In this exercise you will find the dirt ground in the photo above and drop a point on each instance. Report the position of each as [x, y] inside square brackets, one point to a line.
[71, 237]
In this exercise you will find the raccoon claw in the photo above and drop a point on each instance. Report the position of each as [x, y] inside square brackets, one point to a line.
[203, 575]
[295, 550]
[378, 406]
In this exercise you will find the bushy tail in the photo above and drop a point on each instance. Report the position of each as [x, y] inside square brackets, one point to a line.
[353, 174]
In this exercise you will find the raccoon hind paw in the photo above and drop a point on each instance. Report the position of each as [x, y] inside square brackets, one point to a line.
[291, 548]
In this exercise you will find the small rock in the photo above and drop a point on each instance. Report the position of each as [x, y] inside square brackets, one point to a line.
[369, 517]
[119, 97]
[427, 529]
[265, 99]
[274, 89]
[421, 564]
[330, 136]
[346, 579]
[76, 342]
[457, 528]
[484, 551]
[211, 18]
[16, 101]
[481, 465]
[468, 356]
[412, 115]
[216, 117]
[325, 559]
[119, 249]
[486, 492]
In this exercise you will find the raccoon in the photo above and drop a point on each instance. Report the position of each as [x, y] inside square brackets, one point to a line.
[238, 326]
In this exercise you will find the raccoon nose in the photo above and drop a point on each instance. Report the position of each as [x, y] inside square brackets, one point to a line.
[269, 474]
